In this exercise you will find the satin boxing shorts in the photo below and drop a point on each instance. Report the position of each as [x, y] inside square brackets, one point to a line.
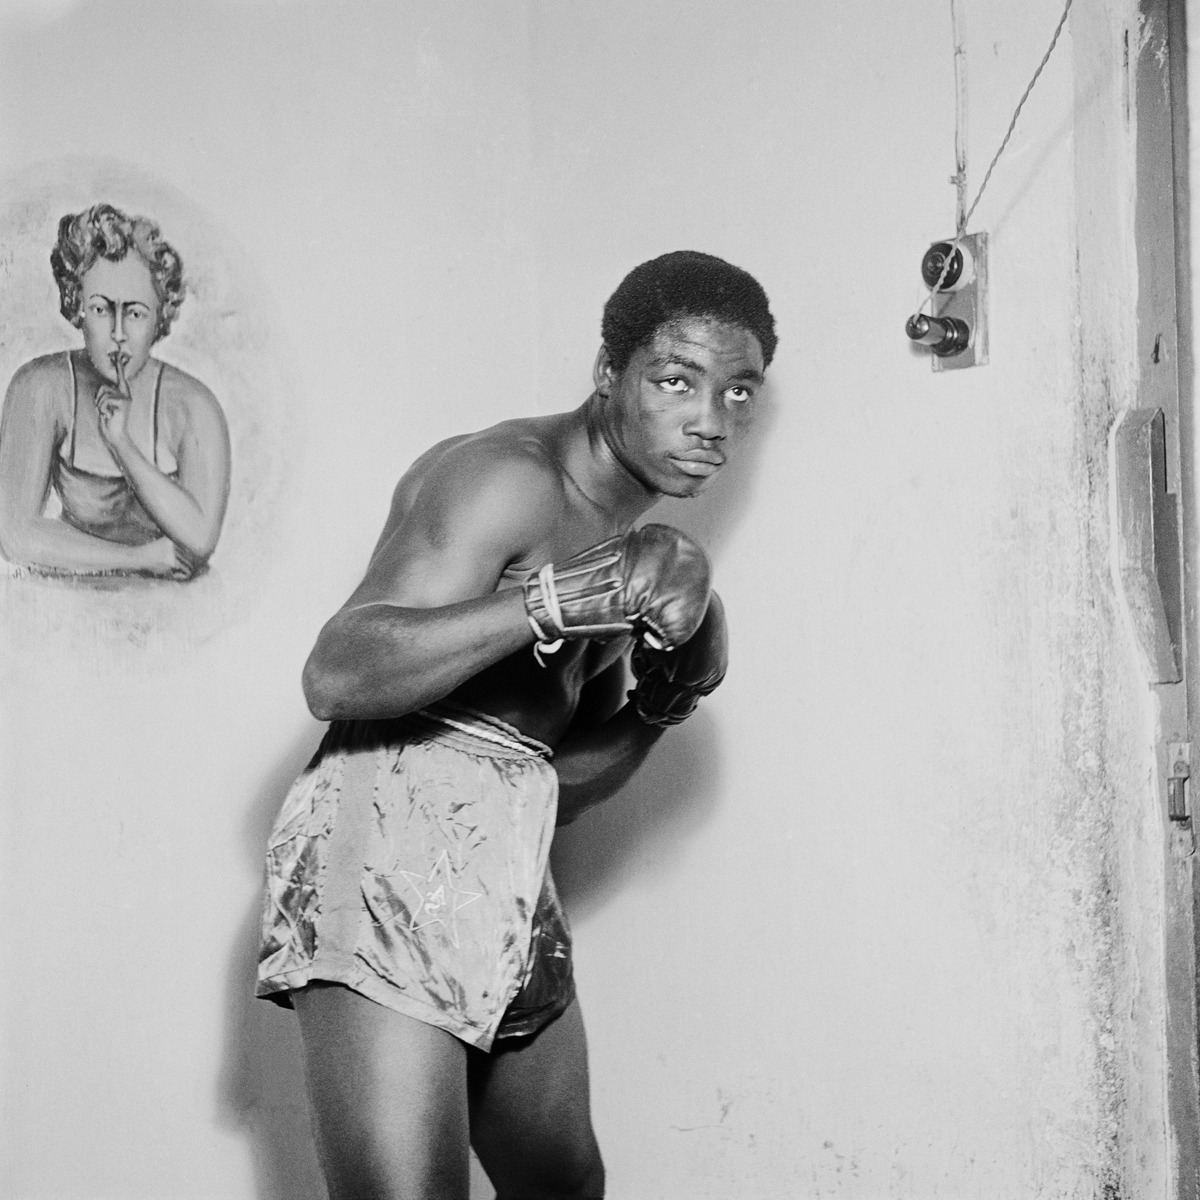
[409, 863]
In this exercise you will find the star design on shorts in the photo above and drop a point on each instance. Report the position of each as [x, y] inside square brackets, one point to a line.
[441, 899]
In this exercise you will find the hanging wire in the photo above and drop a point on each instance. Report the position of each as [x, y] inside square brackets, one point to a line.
[961, 231]
[960, 115]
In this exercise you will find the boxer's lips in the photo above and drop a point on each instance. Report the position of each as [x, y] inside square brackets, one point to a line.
[700, 464]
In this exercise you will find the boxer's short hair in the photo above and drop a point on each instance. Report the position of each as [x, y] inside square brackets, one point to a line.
[684, 283]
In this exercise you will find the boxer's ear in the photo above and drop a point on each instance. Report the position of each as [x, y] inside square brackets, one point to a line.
[603, 373]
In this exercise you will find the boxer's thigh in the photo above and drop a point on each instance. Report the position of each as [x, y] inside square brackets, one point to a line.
[531, 1121]
[389, 1099]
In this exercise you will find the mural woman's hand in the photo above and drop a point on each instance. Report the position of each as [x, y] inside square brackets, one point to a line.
[113, 408]
[165, 560]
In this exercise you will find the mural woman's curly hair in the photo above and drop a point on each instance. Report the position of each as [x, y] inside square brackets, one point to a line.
[103, 231]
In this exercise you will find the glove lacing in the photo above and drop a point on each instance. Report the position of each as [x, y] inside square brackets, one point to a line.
[544, 645]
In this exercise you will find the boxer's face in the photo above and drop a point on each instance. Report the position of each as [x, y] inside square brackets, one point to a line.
[682, 404]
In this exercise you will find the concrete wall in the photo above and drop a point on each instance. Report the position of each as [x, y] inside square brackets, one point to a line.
[885, 918]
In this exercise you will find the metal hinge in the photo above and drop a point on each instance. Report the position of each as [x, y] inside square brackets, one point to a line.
[1179, 769]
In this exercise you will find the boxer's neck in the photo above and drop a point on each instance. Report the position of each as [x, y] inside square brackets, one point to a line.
[599, 471]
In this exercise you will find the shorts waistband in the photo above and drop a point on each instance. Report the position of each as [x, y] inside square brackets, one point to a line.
[450, 719]
[453, 725]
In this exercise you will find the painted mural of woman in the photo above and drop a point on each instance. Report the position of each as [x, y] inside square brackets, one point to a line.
[136, 450]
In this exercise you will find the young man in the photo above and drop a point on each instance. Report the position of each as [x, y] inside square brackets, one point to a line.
[411, 919]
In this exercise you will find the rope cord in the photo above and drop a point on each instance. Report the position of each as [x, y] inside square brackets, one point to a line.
[962, 228]
[960, 115]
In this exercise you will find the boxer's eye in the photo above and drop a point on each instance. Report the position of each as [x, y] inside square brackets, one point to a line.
[673, 384]
[739, 393]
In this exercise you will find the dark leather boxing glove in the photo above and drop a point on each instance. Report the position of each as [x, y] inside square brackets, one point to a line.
[654, 580]
[670, 683]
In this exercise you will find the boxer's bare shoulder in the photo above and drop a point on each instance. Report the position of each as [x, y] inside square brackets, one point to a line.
[494, 501]
[525, 450]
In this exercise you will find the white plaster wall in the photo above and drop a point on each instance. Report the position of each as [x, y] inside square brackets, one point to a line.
[884, 919]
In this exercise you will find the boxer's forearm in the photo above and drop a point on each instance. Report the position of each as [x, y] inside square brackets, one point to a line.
[595, 764]
[380, 660]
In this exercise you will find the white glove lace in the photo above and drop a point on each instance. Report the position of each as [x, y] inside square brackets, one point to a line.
[543, 645]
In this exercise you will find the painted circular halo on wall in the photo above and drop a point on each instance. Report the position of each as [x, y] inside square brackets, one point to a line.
[221, 346]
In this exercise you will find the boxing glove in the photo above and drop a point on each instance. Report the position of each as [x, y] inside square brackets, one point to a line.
[670, 683]
[654, 580]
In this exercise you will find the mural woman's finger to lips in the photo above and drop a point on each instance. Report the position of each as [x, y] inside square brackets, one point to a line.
[120, 358]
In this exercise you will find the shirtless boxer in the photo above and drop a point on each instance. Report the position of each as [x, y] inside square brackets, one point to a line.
[411, 919]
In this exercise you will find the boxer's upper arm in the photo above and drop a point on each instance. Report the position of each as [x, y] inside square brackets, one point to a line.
[476, 512]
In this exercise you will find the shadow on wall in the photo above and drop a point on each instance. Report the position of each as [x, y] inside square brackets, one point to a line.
[261, 1090]
[674, 794]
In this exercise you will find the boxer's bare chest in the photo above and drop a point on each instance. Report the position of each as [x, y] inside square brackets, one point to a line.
[538, 692]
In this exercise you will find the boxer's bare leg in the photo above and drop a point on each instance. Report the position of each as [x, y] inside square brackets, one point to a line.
[389, 1099]
[531, 1122]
